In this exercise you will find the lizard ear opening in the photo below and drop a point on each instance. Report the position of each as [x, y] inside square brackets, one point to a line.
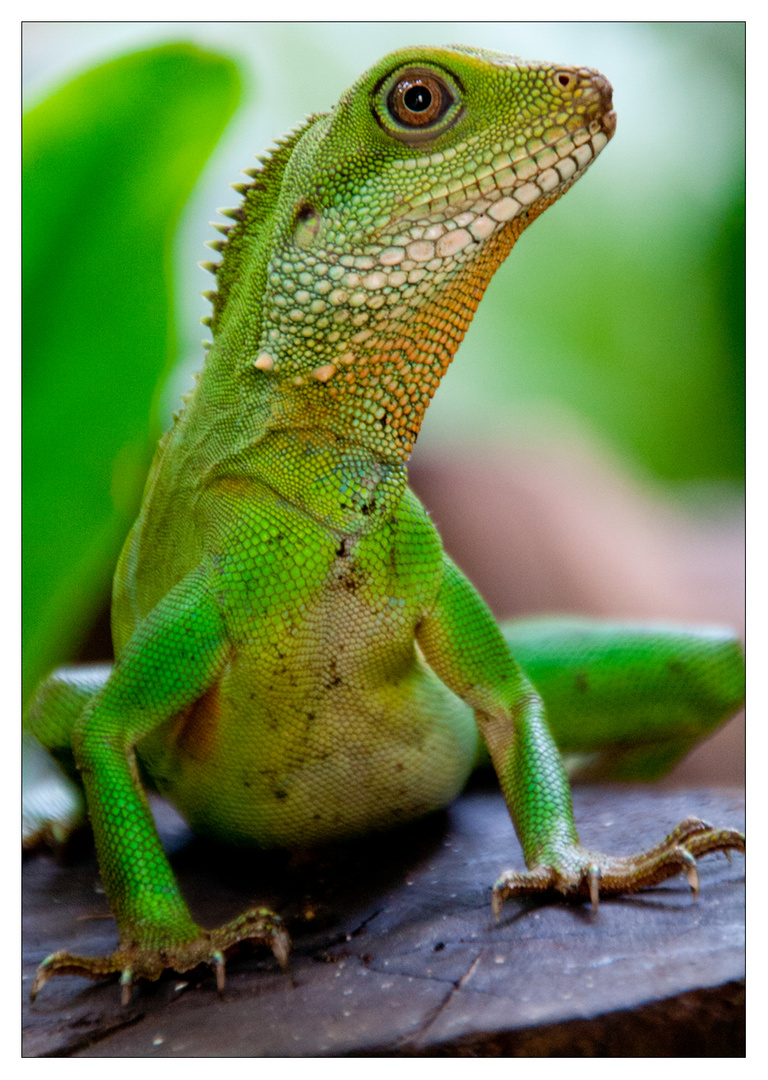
[306, 225]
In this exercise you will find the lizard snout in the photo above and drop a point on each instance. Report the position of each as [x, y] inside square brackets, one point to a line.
[604, 91]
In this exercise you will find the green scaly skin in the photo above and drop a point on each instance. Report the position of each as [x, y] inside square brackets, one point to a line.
[297, 659]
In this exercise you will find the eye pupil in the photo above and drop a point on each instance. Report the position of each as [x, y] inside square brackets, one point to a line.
[417, 98]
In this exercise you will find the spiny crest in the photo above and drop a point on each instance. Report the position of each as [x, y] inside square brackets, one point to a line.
[259, 198]
[185, 398]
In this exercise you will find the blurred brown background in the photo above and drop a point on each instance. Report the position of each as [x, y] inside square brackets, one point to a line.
[558, 528]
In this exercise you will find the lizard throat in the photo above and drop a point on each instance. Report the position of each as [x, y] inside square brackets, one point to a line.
[379, 389]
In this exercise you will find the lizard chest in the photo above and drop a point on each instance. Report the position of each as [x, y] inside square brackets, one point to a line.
[354, 629]
[327, 718]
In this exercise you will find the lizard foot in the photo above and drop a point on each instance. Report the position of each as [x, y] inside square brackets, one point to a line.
[585, 873]
[133, 961]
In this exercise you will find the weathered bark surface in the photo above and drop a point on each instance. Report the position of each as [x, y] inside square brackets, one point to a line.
[395, 950]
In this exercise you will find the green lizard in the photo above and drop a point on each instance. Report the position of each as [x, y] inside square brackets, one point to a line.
[297, 659]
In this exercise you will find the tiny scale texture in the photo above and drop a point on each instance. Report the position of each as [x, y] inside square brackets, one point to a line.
[298, 660]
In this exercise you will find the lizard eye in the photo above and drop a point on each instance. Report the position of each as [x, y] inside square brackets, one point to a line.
[418, 99]
[415, 104]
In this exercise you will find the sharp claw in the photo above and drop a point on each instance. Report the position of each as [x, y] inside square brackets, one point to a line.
[693, 880]
[497, 902]
[281, 947]
[217, 960]
[42, 975]
[126, 978]
[691, 872]
[593, 877]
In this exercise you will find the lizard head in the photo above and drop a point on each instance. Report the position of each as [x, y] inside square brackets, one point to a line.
[431, 135]
[391, 213]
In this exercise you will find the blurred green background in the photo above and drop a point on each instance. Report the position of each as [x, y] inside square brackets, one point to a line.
[621, 312]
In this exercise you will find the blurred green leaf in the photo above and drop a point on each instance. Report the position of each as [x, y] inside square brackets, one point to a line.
[662, 377]
[109, 161]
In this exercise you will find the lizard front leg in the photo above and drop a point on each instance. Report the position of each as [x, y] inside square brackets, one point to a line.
[175, 655]
[464, 646]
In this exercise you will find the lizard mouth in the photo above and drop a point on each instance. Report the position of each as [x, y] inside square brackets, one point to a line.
[517, 177]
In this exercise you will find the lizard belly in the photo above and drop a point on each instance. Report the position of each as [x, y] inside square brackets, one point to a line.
[315, 743]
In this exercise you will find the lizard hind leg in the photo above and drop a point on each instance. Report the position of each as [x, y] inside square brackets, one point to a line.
[624, 701]
[53, 808]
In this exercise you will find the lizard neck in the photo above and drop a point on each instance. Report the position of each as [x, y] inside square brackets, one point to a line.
[291, 439]
[372, 385]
